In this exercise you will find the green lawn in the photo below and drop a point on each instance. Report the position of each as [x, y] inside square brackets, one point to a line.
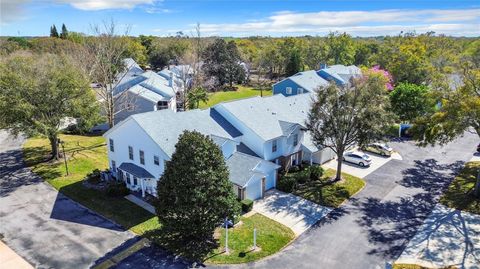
[86, 153]
[331, 195]
[460, 192]
[271, 237]
[241, 92]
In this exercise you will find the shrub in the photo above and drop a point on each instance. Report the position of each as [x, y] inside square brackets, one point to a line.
[247, 205]
[117, 189]
[293, 169]
[392, 130]
[287, 183]
[302, 177]
[316, 172]
[94, 177]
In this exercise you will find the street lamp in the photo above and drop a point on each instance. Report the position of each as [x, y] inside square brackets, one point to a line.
[60, 142]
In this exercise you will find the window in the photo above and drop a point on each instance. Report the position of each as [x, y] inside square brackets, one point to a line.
[114, 166]
[142, 157]
[128, 178]
[288, 90]
[156, 160]
[135, 182]
[112, 148]
[300, 90]
[130, 152]
[162, 105]
[295, 139]
[274, 145]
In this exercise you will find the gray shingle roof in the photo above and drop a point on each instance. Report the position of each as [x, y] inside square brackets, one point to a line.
[165, 126]
[135, 170]
[242, 167]
[309, 80]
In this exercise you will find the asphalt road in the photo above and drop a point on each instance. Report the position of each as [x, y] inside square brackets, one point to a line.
[43, 226]
[372, 229]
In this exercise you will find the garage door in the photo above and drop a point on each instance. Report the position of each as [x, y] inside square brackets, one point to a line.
[254, 189]
[323, 156]
[270, 180]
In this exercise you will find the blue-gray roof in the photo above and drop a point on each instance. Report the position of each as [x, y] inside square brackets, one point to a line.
[242, 167]
[165, 126]
[135, 170]
[340, 73]
[234, 132]
[309, 80]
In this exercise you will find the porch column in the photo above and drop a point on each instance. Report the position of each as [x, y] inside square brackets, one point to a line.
[142, 184]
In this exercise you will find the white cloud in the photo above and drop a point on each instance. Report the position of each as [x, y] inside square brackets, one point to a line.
[362, 23]
[158, 10]
[106, 4]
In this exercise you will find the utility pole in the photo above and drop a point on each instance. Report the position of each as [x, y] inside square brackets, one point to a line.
[226, 236]
[64, 156]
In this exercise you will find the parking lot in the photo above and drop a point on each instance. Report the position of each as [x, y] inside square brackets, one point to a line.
[361, 172]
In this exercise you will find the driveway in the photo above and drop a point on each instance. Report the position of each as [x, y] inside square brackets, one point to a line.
[43, 226]
[290, 210]
[372, 229]
[447, 237]
[361, 172]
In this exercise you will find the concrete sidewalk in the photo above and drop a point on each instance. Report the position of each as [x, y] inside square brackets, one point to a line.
[290, 210]
[10, 259]
[141, 203]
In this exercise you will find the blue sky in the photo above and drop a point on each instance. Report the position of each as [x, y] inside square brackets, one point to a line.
[244, 18]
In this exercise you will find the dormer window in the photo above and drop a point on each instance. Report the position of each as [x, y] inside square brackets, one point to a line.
[162, 105]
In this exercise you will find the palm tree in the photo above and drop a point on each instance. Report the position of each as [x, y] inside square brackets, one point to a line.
[195, 96]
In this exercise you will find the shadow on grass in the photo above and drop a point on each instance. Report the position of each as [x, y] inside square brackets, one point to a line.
[117, 209]
[181, 245]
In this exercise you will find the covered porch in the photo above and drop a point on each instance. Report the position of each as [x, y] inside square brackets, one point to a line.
[137, 178]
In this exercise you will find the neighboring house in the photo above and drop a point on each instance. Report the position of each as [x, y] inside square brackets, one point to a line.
[310, 81]
[274, 128]
[141, 91]
[140, 162]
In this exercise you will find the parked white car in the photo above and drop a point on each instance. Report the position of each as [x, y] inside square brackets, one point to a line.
[357, 157]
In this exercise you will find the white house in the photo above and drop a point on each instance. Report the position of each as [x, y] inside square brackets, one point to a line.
[141, 91]
[139, 147]
[274, 128]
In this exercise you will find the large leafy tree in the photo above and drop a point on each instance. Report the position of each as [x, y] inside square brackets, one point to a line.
[194, 195]
[410, 101]
[37, 92]
[222, 61]
[341, 48]
[341, 117]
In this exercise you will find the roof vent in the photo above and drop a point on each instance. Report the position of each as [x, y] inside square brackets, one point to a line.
[274, 113]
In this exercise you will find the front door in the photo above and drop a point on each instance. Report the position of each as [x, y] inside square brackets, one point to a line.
[263, 187]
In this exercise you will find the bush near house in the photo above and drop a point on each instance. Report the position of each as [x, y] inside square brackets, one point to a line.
[116, 189]
[247, 205]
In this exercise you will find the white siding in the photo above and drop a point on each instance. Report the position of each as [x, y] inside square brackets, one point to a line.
[127, 134]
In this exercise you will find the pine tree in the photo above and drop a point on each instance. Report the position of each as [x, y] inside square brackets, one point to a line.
[53, 31]
[64, 33]
[194, 196]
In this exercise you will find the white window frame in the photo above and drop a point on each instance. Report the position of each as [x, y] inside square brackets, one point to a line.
[141, 154]
[300, 90]
[295, 139]
[156, 160]
[112, 145]
[288, 90]
[130, 153]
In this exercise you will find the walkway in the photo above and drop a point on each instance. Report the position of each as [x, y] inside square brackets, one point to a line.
[141, 203]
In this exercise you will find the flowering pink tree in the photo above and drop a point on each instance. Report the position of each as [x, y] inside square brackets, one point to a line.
[384, 74]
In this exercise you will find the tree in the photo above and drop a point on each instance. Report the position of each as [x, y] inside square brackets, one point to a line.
[294, 63]
[195, 96]
[53, 31]
[38, 91]
[194, 195]
[222, 61]
[64, 33]
[107, 67]
[341, 117]
[410, 101]
[341, 49]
